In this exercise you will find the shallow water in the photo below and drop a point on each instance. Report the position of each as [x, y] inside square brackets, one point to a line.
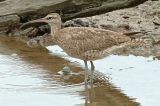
[29, 77]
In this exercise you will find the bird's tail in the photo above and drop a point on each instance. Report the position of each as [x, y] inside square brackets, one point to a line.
[132, 43]
[118, 49]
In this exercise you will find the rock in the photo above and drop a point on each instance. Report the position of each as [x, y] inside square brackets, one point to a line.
[8, 23]
[157, 57]
[76, 23]
[14, 12]
[27, 33]
[156, 20]
[43, 41]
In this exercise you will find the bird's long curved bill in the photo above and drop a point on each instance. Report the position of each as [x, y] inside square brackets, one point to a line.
[33, 23]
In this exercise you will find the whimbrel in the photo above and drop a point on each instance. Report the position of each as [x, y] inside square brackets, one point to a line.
[87, 44]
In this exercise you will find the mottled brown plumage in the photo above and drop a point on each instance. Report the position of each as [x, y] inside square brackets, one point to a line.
[86, 43]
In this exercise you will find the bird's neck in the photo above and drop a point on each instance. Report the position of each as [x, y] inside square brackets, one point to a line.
[55, 28]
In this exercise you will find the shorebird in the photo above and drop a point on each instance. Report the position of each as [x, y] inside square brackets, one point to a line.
[86, 43]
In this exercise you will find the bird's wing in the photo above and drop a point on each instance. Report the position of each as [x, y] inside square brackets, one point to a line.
[92, 38]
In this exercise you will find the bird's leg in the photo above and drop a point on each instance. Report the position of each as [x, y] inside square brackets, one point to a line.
[86, 72]
[92, 72]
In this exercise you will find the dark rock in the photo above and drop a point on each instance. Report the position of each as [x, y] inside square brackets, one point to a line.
[25, 32]
[43, 41]
[124, 26]
[156, 21]
[8, 23]
[108, 27]
[2, 0]
[32, 24]
[76, 23]
[125, 17]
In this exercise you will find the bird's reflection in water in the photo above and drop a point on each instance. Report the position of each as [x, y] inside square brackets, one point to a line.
[106, 95]
[99, 93]
[90, 95]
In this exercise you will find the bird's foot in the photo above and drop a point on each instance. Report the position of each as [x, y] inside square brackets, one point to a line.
[89, 80]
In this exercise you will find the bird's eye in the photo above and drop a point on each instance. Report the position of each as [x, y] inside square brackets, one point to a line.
[50, 18]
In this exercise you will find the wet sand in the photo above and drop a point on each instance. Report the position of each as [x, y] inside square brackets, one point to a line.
[29, 77]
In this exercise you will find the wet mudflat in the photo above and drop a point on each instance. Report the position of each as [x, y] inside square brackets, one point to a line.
[30, 77]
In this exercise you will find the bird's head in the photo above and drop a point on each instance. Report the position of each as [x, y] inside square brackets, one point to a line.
[51, 19]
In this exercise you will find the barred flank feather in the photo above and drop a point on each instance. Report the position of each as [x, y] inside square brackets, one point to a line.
[138, 42]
